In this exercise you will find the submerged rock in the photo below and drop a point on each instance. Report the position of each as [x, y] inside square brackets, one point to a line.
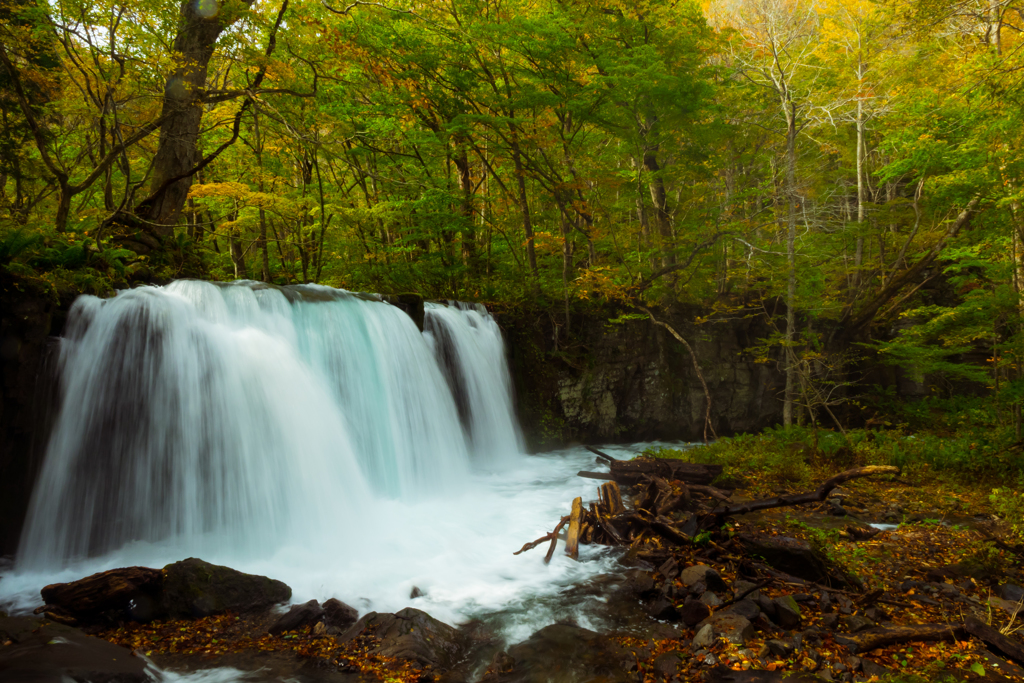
[44, 652]
[194, 588]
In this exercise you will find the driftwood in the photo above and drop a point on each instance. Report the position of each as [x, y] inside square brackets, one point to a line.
[572, 539]
[602, 454]
[711, 492]
[632, 471]
[895, 635]
[816, 496]
[995, 640]
[552, 536]
[611, 498]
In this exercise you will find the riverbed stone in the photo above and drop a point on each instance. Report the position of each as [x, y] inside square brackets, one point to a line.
[704, 638]
[194, 588]
[1011, 592]
[710, 599]
[411, 634]
[703, 573]
[338, 615]
[855, 623]
[787, 612]
[668, 663]
[640, 582]
[299, 616]
[734, 627]
[694, 611]
[745, 608]
[563, 653]
[663, 609]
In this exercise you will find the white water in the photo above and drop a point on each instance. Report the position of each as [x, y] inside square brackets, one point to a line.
[316, 441]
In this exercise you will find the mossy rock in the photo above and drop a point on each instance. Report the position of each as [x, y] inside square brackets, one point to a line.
[194, 588]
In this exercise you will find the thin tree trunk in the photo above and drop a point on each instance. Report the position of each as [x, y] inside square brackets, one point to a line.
[787, 408]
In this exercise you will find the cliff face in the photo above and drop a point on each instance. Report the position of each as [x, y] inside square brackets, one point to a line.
[633, 381]
[28, 318]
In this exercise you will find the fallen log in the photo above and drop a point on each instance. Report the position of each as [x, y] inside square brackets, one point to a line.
[595, 475]
[883, 636]
[995, 640]
[816, 496]
[711, 492]
[572, 539]
[632, 471]
[601, 454]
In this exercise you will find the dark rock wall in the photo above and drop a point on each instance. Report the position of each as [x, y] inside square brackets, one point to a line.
[29, 316]
[633, 381]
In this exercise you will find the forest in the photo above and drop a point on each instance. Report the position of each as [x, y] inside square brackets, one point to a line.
[852, 164]
[837, 184]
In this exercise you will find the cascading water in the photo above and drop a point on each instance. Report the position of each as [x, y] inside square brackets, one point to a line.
[303, 433]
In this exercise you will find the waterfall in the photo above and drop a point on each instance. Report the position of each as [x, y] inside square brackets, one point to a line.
[238, 416]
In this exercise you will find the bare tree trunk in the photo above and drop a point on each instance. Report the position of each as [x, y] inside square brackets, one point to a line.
[524, 204]
[787, 408]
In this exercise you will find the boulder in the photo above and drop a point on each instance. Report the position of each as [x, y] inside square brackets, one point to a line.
[562, 653]
[704, 639]
[733, 627]
[339, 615]
[194, 588]
[780, 648]
[794, 557]
[787, 612]
[297, 617]
[668, 663]
[640, 582]
[703, 573]
[44, 652]
[1011, 592]
[694, 612]
[745, 608]
[661, 608]
[412, 634]
[710, 599]
[126, 592]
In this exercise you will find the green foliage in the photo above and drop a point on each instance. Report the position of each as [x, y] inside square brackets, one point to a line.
[1010, 504]
[15, 243]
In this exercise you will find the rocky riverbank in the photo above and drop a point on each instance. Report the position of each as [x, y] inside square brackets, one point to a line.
[810, 593]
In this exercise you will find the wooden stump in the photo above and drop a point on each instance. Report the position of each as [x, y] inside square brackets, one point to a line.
[572, 540]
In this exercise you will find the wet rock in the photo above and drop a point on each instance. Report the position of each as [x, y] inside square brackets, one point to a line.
[825, 603]
[830, 621]
[194, 588]
[669, 569]
[297, 617]
[416, 593]
[44, 652]
[710, 599]
[794, 557]
[411, 634]
[694, 612]
[739, 587]
[704, 639]
[338, 615]
[125, 592]
[767, 606]
[565, 654]
[735, 628]
[705, 574]
[787, 612]
[747, 609]
[780, 648]
[662, 609]
[1011, 593]
[640, 582]
[668, 663]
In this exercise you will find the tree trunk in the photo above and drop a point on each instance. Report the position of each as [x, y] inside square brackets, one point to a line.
[465, 208]
[787, 408]
[524, 204]
[661, 213]
[198, 31]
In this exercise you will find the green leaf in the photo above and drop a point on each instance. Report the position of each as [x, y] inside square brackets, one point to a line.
[978, 669]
